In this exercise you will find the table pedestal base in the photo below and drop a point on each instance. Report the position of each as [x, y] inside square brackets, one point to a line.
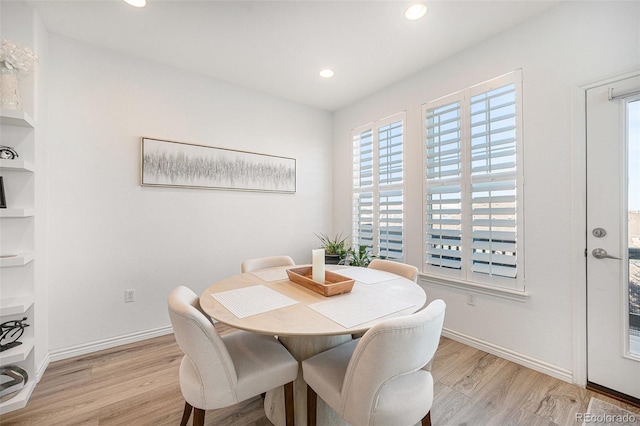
[303, 347]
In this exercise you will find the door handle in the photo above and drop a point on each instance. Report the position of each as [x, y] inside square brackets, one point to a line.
[600, 253]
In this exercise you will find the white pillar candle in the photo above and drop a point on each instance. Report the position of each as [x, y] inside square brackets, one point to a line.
[318, 265]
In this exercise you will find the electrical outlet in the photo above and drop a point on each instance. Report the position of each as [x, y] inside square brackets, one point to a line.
[130, 295]
[471, 299]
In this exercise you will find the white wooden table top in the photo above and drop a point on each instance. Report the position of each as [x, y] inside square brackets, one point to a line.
[376, 292]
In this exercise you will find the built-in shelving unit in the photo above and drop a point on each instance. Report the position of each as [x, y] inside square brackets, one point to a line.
[15, 305]
[17, 283]
[17, 165]
[21, 399]
[16, 118]
[17, 213]
[20, 259]
[17, 354]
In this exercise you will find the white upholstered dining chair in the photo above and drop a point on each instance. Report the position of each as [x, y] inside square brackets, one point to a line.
[219, 371]
[378, 379]
[250, 265]
[410, 272]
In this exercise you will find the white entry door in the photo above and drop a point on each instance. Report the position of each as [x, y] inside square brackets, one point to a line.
[613, 236]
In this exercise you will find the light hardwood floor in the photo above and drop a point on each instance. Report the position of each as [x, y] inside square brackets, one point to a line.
[137, 384]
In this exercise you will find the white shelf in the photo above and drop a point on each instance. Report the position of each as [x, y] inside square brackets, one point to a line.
[20, 399]
[21, 128]
[15, 305]
[16, 118]
[17, 165]
[17, 354]
[9, 213]
[20, 260]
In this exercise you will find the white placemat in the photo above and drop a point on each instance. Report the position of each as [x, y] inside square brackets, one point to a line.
[358, 307]
[366, 275]
[271, 274]
[248, 301]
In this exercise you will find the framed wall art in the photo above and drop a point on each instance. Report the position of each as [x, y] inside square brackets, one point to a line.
[178, 164]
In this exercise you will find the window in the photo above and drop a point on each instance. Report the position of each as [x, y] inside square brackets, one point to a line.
[473, 184]
[378, 179]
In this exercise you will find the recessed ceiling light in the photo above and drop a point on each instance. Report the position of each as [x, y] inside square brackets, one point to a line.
[136, 3]
[415, 12]
[326, 73]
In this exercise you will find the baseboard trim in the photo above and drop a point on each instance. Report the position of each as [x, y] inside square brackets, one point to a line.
[64, 353]
[43, 367]
[509, 355]
[518, 358]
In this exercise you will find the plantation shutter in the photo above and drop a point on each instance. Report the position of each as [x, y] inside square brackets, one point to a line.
[493, 181]
[363, 188]
[378, 179]
[390, 181]
[443, 196]
[473, 184]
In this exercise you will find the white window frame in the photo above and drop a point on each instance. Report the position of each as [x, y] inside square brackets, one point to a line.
[464, 277]
[376, 187]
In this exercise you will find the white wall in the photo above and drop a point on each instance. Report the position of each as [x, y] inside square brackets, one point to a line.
[108, 234]
[569, 45]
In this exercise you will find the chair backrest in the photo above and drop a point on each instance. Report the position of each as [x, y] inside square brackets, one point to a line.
[207, 374]
[266, 262]
[393, 349]
[410, 272]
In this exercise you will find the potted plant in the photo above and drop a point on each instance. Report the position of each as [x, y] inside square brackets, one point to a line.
[335, 249]
[361, 258]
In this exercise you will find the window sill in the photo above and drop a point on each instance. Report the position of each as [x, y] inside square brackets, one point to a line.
[505, 293]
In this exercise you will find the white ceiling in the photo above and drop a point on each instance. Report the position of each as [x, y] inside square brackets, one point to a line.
[278, 47]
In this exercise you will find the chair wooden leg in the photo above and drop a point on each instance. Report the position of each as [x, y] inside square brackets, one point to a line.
[312, 404]
[186, 414]
[198, 417]
[426, 420]
[288, 404]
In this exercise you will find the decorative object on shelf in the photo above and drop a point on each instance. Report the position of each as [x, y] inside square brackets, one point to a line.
[177, 164]
[10, 97]
[18, 377]
[13, 59]
[7, 153]
[10, 332]
[335, 249]
[3, 200]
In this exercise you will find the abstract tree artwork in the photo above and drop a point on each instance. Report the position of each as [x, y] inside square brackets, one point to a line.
[177, 164]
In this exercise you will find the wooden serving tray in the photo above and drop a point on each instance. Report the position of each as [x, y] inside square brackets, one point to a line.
[334, 283]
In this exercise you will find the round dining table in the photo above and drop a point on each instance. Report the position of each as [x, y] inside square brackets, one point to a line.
[309, 323]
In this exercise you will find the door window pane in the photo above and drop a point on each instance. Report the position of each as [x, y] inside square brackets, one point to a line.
[633, 120]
